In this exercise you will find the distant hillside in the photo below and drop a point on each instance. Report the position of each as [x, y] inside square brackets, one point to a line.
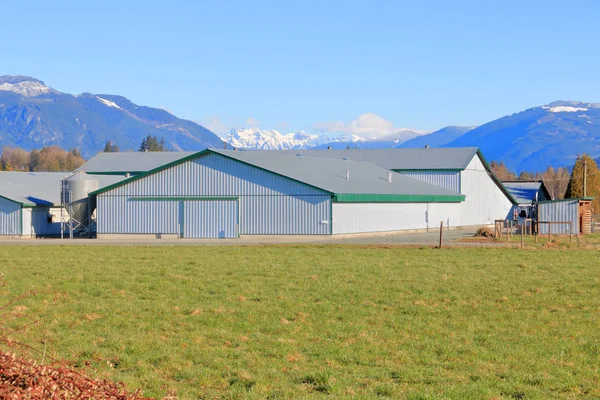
[535, 138]
[33, 115]
[438, 138]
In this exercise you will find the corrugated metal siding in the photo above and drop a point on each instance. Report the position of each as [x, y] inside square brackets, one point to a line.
[268, 204]
[382, 217]
[10, 217]
[216, 176]
[120, 215]
[559, 211]
[210, 219]
[484, 201]
[285, 215]
[447, 180]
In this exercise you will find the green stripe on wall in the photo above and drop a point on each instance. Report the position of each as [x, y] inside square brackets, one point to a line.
[183, 199]
[396, 198]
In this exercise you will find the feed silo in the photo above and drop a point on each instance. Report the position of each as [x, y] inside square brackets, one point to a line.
[75, 200]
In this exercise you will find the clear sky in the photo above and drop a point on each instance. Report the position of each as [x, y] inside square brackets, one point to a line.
[312, 65]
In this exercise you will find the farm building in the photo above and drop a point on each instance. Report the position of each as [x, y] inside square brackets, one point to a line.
[30, 204]
[224, 194]
[461, 170]
[566, 216]
[527, 194]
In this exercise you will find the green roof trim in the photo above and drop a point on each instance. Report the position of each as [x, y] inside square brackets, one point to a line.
[184, 198]
[396, 198]
[13, 200]
[188, 158]
[496, 179]
[152, 171]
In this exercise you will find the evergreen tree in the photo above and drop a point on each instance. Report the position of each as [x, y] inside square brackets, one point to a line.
[34, 160]
[576, 181]
[151, 143]
[111, 147]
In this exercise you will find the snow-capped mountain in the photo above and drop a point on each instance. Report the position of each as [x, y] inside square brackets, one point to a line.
[360, 142]
[270, 139]
[530, 140]
[25, 86]
[33, 115]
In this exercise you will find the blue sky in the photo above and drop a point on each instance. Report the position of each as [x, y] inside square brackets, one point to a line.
[313, 65]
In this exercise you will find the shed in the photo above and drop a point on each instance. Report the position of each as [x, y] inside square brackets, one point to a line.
[527, 194]
[565, 214]
[224, 194]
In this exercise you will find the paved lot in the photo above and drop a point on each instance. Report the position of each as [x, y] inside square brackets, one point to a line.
[414, 238]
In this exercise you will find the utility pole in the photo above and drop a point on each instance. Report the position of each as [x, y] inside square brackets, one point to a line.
[584, 178]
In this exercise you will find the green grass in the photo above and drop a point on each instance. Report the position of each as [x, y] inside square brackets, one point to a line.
[316, 321]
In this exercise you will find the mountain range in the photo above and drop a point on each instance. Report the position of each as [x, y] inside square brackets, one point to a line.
[530, 140]
[270, 139]
[33, 115]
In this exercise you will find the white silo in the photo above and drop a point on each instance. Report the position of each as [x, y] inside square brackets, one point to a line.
[75, 199]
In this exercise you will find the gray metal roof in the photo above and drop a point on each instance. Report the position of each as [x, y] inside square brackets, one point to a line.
[524, 191]
[330, 174]
[133, 162]
[400, 159]
[40, 188]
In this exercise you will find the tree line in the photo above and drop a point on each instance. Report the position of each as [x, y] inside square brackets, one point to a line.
[560, 183]
[57, 159]
[48, 159]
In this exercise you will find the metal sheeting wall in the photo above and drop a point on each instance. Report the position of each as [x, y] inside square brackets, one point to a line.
[268, 203]
[484, 201]
[210, 219]
[448, 180]
[559, 211]
[383, 217]
[10, 217]
[121, 215]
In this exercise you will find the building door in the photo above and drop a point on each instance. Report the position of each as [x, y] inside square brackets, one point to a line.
[206, 219]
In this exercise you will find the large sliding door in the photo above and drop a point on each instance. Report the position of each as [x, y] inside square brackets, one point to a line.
[204, 219]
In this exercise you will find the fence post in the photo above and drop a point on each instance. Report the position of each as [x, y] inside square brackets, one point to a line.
[549, 231]
[441, 233]
[537, 230]
[570, 231]
[521, 237]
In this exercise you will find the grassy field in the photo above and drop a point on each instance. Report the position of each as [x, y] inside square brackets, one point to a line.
[316, 321]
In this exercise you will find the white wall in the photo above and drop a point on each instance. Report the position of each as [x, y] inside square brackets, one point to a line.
[384, 217]
[27, 231]
[484, 200]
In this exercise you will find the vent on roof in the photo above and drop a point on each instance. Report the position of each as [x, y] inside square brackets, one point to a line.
[426, 146]
[299, 154]
[390, 177]
[346, 158]
[347, 174]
